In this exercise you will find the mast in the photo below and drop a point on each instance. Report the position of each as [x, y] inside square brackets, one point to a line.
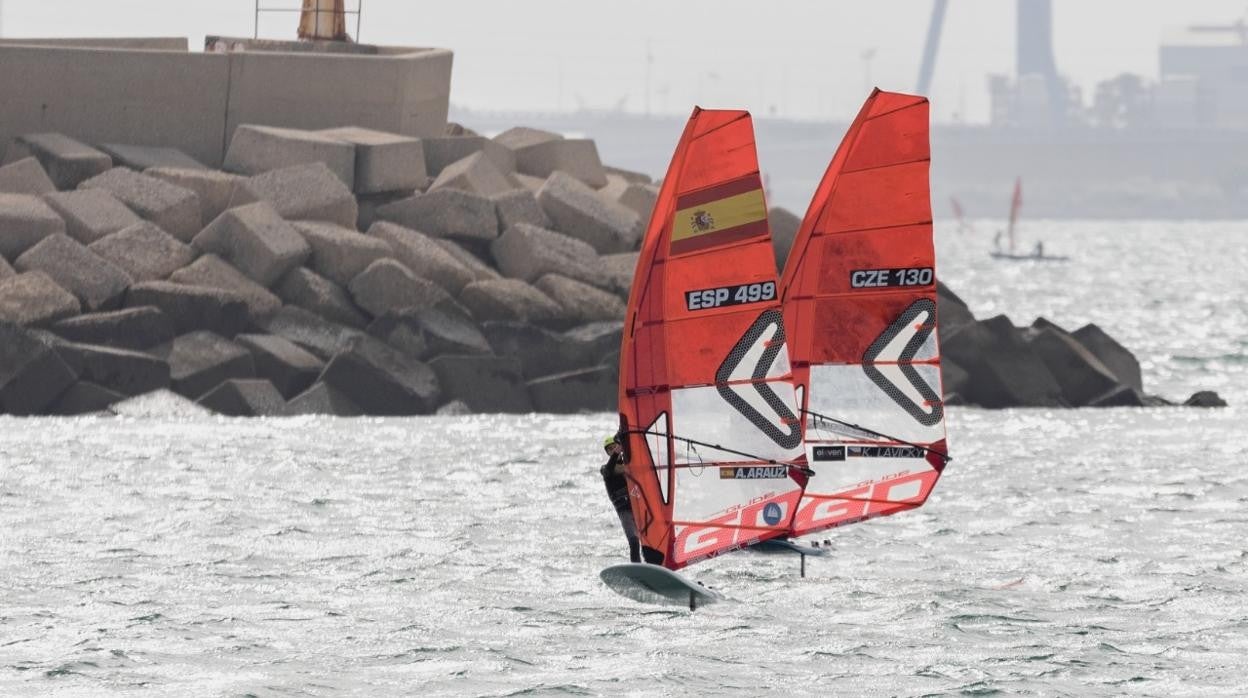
[1016, 202]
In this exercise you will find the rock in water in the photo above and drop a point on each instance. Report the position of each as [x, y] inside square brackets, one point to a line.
[1082, 377]
[1205, 398]
[96, 282]
[1115, 356]
[308, 290]
[248, 397]
[382, 380]
[84, 397]
[200, 361]
[192, 307]
[32, 373]
[305, 192]
[484, 383]
[289, 368]
[590, 389]
[1004, 370]
[322, 399]
[256, 240]
[91, 214]
[339, 253]
[125, 371]
[578, 211]
[144, 251]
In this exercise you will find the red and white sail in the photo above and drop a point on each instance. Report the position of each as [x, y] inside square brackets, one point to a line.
[704, 360]
[859, 292]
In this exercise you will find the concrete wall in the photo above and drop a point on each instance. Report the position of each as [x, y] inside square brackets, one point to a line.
[152, 92]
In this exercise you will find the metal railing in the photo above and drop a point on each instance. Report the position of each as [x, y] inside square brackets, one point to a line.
[357, 13]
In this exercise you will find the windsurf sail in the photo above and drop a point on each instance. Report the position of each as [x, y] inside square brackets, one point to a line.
[706, 395]
[859, 293]
[1016, 203]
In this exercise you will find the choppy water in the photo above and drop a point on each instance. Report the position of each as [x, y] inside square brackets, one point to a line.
[1089, 552]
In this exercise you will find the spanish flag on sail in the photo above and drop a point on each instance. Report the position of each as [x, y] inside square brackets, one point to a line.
[728, 212]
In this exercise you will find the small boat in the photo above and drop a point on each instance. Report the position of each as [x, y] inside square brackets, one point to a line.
[706, 394]
[1037, 254]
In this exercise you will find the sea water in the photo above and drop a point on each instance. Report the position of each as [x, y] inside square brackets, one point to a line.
[1064, 552]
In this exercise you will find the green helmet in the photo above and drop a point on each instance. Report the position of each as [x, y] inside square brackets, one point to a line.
[609, 440]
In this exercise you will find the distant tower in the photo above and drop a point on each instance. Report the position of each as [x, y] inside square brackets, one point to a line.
[1035, 52]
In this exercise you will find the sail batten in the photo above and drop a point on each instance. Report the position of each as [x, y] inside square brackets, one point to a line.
[859, 303]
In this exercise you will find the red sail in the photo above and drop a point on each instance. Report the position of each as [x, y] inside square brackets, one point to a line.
[705, 387]
[859, 292]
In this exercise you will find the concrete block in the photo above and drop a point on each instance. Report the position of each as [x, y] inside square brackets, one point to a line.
[32, 374]
[303, 192]
[340, 254]
[483, 383]
[529, 182]
[6, 271]
[84, 397]
[953, 378]
[1004, 370]
[585, 390]
[618, 270]
[125, 371]
[1113, 355]
[200, 361]
[142, 157]
[475, 173]
[175, 209]
[508, 299]
[577, 157]
[25, 220]
[440, 152]
[288, 367]
[480, 270]
[579, 212]
[382, 380]
[445, 213]
[67, 162]
[131, 328]
[629, 175]
[370, 203]
[784, 224]
[384, 162]
[25, 176]
[614, 188]
[192, 308]
[640, 199]
[579, 301]
[527, 252]
[256, 149]
[34, 298]
[1082, 377]
[215, 189]
[424, 256]
[518, 137]
[306, 289]
[540, 352]
[90, 214]
[256, 240]
[455, 129]
[430, 332]
[319, 336]
[951, 312]
[244, 397]
[388, 286]
[213, 272]
[158, 404]
[322, 399]
[96, 282]
[454, 408]
[517, 206]
[595, 343]
[144, 251]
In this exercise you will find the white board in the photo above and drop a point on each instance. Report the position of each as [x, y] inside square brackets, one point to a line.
[657, 585]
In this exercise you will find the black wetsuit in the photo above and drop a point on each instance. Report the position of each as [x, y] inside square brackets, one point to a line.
[617, 491]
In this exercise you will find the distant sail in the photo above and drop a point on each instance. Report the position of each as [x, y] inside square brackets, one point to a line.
[1016, 204]
[859, 292]
[704, 360]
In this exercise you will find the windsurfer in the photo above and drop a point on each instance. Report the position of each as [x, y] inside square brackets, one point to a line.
[1039, 251]
[996, 241]
[617, 490]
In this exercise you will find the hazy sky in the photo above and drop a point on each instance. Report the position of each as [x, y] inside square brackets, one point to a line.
[798, 58]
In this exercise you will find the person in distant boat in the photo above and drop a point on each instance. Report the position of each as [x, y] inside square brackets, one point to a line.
[1039, 251]
[617, 490]
[996, 241]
